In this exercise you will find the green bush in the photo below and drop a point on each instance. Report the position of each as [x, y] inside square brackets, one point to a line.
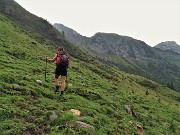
[63, 119]
[17, 52]
[6, 77]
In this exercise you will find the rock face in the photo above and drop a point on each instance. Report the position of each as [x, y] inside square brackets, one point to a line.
[120, 45]
[109, 43]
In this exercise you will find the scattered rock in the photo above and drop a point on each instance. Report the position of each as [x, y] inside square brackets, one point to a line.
[75, 112]
[70, 84]
[39, 82]
[53, 116]
[15, 86]
[80, 77]
[139, 129]
[130, 111]
[85, 125]
[84, 84]
[130, 122]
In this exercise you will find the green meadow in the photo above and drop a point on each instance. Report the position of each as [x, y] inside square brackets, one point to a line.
[101, 93]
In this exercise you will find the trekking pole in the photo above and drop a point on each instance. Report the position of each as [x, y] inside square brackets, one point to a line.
[67, 68]
[45, 71]
[46, 68]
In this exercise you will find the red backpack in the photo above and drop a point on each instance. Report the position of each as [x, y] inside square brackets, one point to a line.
[62, 59]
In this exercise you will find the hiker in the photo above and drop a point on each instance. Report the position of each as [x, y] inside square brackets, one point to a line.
[62, 62]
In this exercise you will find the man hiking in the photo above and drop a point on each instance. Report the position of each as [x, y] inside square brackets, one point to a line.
[62, 62]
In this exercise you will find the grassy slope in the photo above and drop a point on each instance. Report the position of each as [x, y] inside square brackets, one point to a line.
[26, 106]
[37, 28]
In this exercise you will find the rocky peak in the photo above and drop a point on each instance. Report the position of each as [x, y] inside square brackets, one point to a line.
[70, 34]
[120, 45]
[169, 45]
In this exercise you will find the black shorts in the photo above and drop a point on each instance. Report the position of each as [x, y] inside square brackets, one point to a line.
[61, 71]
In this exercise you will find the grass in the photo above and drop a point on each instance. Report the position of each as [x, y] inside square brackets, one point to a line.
[98, 91]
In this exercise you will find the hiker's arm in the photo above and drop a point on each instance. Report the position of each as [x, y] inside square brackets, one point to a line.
[68, 59]
[53, 59]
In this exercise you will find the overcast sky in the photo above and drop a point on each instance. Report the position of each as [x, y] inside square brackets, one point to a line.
[152, 21]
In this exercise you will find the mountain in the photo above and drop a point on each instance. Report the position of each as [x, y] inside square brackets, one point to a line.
[169, 46]
[108, 101]
[104, 42]
[170, 51]
[70, 34]
[128, 54]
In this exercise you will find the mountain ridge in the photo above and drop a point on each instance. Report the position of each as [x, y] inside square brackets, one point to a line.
[128, 54]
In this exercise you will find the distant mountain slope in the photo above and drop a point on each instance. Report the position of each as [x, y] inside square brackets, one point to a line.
[120, 45]
[169, 46]
[170, 51]
[70, 34]
[111, 43]
[128, 54]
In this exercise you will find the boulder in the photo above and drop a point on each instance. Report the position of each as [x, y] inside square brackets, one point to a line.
[85, 125]
[53, 116]
[70, 84]
[39, 82]
[75, 112]
[131, 111]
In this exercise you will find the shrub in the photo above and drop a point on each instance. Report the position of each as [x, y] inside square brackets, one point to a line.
[63, 119]
[8, 78]
[17, 52]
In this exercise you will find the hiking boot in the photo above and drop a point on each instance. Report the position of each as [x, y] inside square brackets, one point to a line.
[57, 89]
[62, 94]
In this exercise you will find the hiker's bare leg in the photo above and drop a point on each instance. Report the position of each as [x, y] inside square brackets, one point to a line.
[56, 80]
[63, 82]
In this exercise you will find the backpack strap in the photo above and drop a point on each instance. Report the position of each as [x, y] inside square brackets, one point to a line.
[58, 59]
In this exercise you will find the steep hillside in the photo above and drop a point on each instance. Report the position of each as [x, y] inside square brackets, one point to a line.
[128, 54]
[29, 21]
[101, 94]
[108, 100]
[36, 27]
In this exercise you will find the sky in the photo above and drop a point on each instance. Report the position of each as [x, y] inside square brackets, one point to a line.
[152, 21]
